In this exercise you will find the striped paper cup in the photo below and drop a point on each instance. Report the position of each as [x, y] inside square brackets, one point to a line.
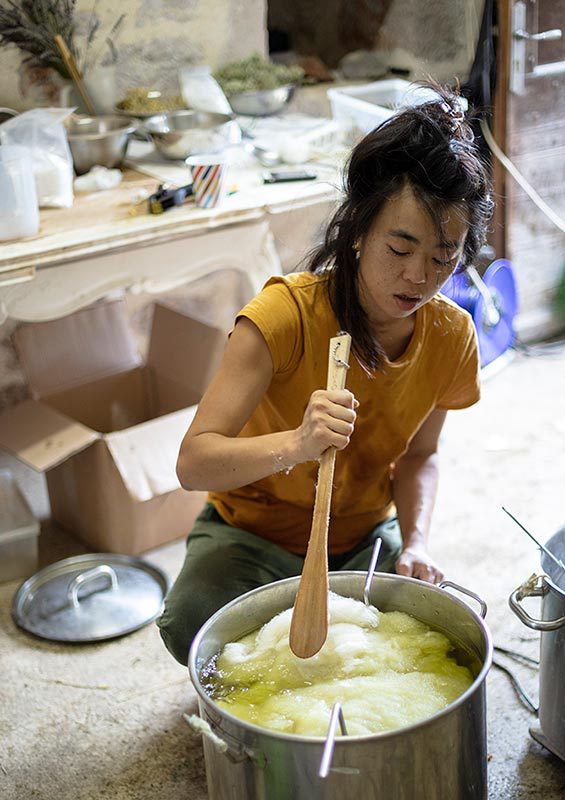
[208, 180]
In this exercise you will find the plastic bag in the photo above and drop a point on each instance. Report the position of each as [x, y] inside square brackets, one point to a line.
[42, 131]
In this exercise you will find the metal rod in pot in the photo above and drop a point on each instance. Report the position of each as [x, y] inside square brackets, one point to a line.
[371, 570]
[335, 717]
[548, 553]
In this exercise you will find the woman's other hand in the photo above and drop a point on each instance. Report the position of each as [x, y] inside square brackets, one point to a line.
[414, 562]
[328, 421]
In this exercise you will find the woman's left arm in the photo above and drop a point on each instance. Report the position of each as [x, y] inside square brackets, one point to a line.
[414, 490]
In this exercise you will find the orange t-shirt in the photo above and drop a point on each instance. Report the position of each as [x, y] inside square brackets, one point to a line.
[439, 369]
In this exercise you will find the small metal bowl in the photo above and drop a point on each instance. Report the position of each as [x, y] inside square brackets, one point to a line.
[183, 133]
[262, 104]
[98, 141]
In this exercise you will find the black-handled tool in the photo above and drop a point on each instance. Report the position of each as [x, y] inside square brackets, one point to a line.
[168, 197]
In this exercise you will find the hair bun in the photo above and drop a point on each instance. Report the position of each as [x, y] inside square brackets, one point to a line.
[456, 120]
[448, 111]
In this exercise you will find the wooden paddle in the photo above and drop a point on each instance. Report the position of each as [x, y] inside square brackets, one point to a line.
[309, 625]
[72, 69]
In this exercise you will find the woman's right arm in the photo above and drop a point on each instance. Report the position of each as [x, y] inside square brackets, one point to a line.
[214, 458]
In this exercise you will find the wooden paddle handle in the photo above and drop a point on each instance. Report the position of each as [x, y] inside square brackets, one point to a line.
[338, 364]
[309, 625]
[72, 68]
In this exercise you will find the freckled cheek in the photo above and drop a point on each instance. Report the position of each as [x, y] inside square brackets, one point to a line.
[379, 285]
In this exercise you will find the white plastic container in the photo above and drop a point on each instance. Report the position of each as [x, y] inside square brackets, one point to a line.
[19, 531]
[19, 209]
[362, 108]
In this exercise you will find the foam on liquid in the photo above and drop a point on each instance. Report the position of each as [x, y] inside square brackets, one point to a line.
[388, 670]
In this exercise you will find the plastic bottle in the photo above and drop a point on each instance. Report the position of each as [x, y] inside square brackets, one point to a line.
[19, 214]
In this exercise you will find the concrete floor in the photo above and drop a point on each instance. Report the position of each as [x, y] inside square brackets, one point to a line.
[105, 720]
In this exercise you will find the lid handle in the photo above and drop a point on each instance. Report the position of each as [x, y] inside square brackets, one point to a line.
[86, 577]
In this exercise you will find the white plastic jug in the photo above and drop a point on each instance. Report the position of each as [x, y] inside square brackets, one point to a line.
[19, 209]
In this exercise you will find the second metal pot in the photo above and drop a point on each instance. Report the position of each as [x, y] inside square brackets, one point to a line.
[98, 141]
[441, 757]
[551, 588]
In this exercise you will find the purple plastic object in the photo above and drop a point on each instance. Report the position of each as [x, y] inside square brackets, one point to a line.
[495, 337]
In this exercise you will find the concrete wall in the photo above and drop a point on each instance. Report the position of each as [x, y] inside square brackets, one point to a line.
[156, 38]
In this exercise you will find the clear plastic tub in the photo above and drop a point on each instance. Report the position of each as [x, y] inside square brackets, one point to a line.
[19, 532]
[363, 108]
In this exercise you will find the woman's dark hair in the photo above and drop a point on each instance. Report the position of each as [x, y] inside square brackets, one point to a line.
[430, 147]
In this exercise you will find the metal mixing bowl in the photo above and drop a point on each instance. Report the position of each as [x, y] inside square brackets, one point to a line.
[179, 134]
[99, 141]
[261, 104]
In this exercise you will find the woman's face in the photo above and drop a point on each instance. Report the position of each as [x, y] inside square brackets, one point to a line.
[403, 261]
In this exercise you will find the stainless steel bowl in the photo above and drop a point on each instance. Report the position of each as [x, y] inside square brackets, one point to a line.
[261, 104]
[99, 141]
[179, 134]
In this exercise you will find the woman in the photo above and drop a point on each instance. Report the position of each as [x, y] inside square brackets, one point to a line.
[416, 207]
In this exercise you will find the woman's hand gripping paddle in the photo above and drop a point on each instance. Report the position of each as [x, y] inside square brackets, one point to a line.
[309, 625]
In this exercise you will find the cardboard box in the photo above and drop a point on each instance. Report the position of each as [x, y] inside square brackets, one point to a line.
[105, 428]
[19, 532]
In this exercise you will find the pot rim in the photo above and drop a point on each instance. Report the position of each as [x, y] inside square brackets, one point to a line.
[127, 128]
[349, 739]
[557, 589]
[545, 561]
[262, 93]
[216, 119]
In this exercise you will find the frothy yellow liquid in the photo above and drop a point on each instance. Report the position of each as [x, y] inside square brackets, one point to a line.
[388, 670]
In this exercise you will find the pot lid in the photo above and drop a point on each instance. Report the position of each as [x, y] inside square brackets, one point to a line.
[90, 598]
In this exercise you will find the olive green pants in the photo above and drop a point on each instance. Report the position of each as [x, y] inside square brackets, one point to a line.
[223, 562]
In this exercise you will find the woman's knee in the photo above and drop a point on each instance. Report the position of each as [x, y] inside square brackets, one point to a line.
[201, 588]
[178, 626]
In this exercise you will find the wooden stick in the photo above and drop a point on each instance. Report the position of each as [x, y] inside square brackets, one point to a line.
[72, 68]
[309, 625]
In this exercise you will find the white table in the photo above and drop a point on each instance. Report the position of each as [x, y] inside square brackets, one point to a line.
[96, 247]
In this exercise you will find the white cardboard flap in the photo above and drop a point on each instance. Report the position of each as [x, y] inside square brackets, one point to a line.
[146, 455]
[42, 437]
[80, 348]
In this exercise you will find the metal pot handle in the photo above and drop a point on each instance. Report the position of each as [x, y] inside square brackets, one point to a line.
[87, 577]
[535, 586]
[480, 601]
[202, 727]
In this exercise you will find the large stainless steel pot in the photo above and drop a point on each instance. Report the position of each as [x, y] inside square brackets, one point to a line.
[441, 757]
[551, 588]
